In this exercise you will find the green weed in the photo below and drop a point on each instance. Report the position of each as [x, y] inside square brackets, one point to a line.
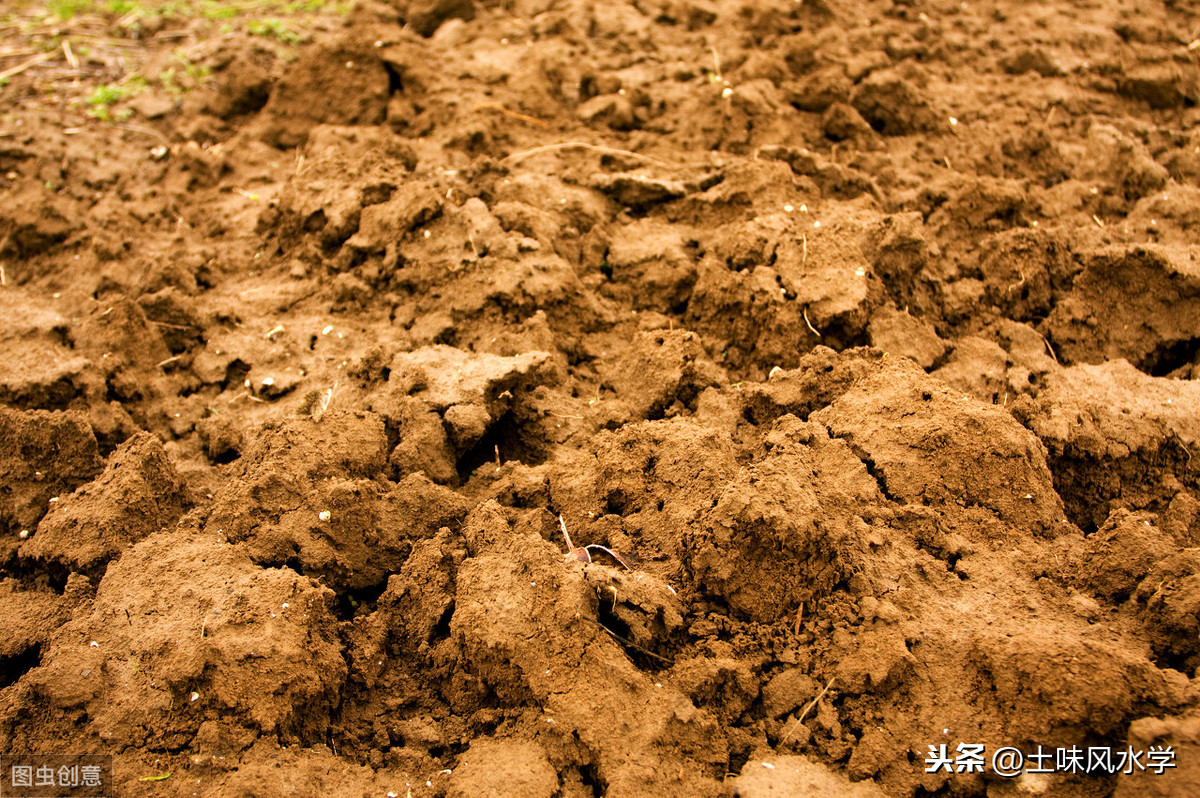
[103, 98]
[66, 9]
[274, 29]
[196, 9]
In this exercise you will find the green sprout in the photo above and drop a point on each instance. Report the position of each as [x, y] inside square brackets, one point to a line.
[183, 78]
[159, 777]
[167, 78]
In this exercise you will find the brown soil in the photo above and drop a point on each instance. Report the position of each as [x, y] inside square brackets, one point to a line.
[866, 335]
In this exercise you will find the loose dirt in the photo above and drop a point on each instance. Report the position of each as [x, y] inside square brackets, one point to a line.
[854, 345]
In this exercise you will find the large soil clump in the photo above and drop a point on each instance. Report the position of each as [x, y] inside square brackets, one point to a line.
[674, 398]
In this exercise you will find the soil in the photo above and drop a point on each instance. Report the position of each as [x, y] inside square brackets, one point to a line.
[651, 397]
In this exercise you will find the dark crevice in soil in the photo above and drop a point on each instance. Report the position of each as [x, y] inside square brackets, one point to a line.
[643, 658]
[1078, 500]
[869, 464]
[16, 666]
[616, 502]
[37, 574]
[1183, 663]
[738, 761]
[359, 600]
[235, 374]
[226, 457]
[589, 776]
[293, 563]
[1171, 357]
[1089, 485]
[442, 630]
[504, 437]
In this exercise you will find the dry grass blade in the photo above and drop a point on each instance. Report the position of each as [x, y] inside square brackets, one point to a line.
[170, 326]
[607, 551]
[582, 145]
[21, 67]
[1050, 349]
[809, 323]
[316, 403]
[582, 553]
[323, 403]
[563, 526]
[145, 131]
[533, 120]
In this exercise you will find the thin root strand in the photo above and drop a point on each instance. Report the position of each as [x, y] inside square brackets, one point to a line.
[804, 312]
[807, 708]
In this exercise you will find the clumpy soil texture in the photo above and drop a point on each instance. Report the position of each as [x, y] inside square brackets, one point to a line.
[666, 397]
